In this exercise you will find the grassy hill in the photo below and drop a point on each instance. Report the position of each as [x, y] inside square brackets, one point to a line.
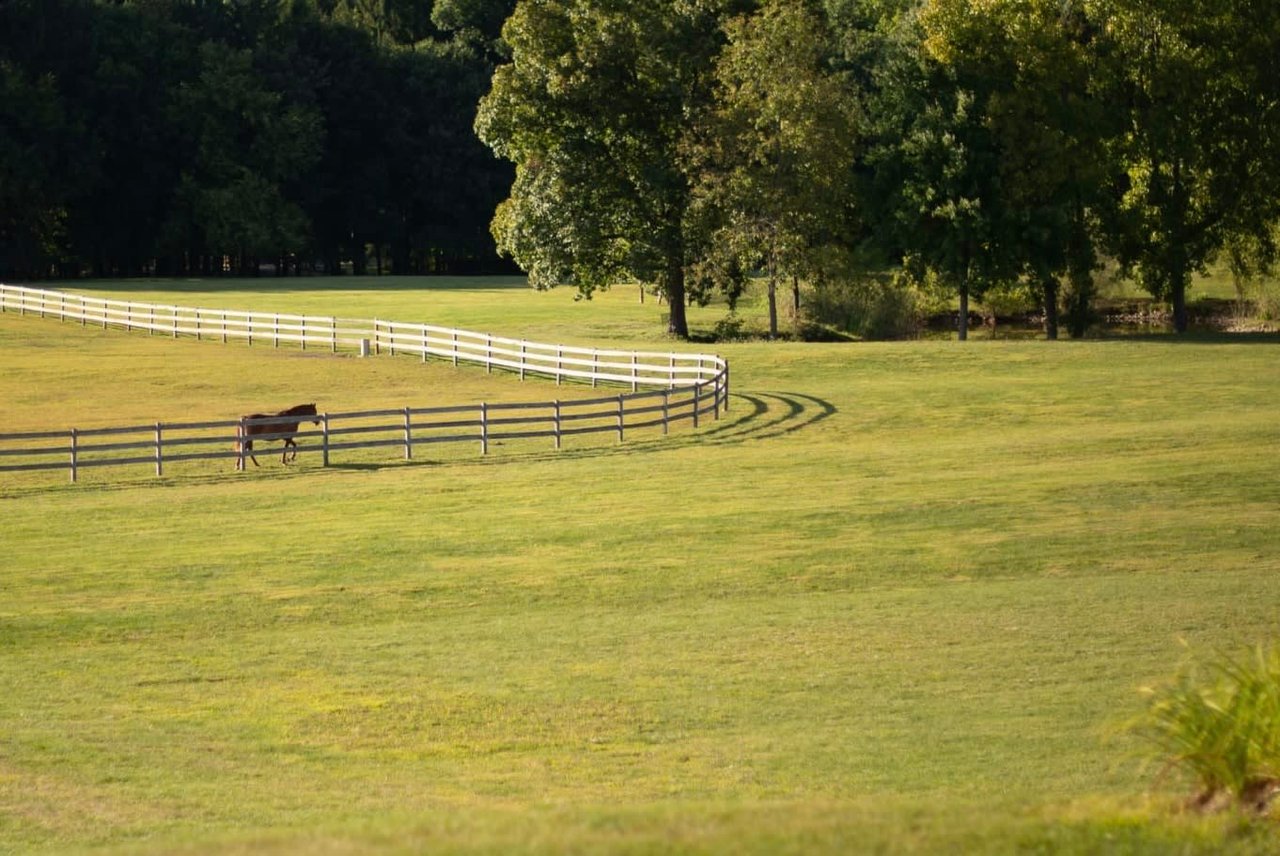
[899, 599]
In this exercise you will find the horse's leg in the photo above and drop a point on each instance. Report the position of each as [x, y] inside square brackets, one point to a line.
[284, 452]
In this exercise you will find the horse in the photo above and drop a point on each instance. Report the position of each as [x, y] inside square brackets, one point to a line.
[275, 431]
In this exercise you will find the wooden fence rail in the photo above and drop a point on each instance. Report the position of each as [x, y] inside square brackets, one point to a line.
[678, 388]
[162, 444]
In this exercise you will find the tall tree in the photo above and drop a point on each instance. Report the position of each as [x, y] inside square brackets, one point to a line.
[1035, 60]
[934, 170]
[779, 151]
[1202, 142]
[597, 109]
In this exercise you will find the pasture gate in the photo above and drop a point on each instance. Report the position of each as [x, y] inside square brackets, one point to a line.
[664, 388]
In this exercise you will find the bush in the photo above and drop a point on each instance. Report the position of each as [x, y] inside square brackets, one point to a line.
[868, 307]
[1221, 722]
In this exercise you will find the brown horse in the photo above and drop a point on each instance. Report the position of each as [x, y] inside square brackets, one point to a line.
[249, 428]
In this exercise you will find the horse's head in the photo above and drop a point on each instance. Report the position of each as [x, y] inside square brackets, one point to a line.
[310, 410]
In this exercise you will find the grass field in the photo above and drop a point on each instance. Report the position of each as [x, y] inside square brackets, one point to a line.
[898, 600]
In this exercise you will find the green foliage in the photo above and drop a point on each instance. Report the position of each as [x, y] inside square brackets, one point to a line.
[147, 137]
[596, 109]
[869, 307]
[1200, 144]
[776, 155]
[1221, 722]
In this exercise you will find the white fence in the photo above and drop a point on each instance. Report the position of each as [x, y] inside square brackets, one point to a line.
[634, 368]
[681, 388]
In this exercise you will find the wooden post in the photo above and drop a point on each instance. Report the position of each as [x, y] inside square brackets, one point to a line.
[275, 331]
[151, 325]
[484, 428]
[595, 368]
[697, 402]
[559, 364]
[488, 354]
[634, 370]
[324, 439]
[75, 450]
[224, 327]
[522, 361]
[408, 436]
[557, 424]
[198, 330]
[333, 335]
[159, 452]
[455, 347]
[666, 412]
[621, 400]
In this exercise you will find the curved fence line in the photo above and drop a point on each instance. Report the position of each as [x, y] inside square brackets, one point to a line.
[680, 388]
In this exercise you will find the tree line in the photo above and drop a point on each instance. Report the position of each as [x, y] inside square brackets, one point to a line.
[952, 147]
[198, 137]
[964, 145]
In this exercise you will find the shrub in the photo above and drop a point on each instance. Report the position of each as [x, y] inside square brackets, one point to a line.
[871, 307]
[1221, 722]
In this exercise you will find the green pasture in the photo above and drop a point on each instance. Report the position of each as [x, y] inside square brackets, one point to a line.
[900, 599]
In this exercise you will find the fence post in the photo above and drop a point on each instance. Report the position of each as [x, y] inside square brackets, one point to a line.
[75, 449]
[715, 399]
[488, 354]
[697, 402]
[173, 316]
[635, 378]
[595, 367]
[522, 360]
[666, 412]
[223, 315]
[377, 346]
[484, 428]
[324, 439]
[275, 331]
[559, 364]
[240, 440]
[159, 452]
[557, 424]
[455, 347]
[408, 436]
[333, 335]
[621, 400]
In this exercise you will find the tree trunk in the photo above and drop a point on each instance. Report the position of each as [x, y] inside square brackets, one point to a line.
[773, 297]
[795, 297]
[1050, 285]
[678, 325]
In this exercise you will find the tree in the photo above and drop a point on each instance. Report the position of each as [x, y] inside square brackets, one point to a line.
[934, 170]
[1202, 133]
[780, 146]
[597, 109]
[1050, 129]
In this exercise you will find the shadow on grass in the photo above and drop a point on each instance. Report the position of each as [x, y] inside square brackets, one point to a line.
[752, 417]
[766, 416]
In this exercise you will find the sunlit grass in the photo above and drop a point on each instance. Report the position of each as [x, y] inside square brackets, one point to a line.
[897, 599]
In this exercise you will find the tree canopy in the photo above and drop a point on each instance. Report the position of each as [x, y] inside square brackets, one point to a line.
[684, 144]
